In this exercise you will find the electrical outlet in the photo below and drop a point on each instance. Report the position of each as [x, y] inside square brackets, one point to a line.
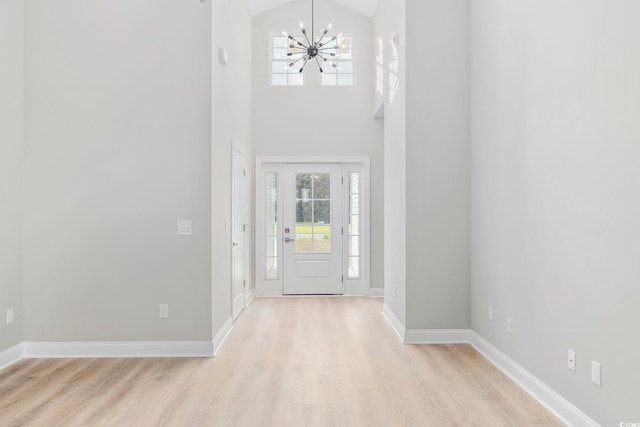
[572, 360]
[490, 312]
[185, 228]
[596, 374]
[164, 311]
[509, 324]
[9, 316]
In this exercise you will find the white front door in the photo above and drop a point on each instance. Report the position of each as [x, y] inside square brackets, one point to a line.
[238, 226]
[312, 222]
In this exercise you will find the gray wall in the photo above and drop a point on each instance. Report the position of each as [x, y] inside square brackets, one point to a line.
[231, 119]
[321, 121]
[437, 164]
[555, 149]
[390, 20]
[118, 149]
[11, 168]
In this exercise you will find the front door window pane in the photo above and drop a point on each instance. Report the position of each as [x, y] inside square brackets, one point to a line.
[313, 212]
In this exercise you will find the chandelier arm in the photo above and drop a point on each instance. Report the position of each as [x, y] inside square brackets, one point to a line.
[305, 63]
[312, 19]
[298, 42]
[329, 48]
[297, 60]
[324, 34]
[322, 44]
[319, 66]
[306, 37]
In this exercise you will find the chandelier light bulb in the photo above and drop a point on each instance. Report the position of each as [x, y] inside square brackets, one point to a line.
[301, 25]
[329, 25]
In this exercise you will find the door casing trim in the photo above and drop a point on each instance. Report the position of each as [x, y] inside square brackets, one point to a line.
[264, 287]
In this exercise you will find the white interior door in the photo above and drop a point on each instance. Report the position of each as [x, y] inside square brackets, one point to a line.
[238, 227]
[312, 222]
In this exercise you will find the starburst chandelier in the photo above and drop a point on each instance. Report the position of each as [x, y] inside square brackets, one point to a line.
[303, 50]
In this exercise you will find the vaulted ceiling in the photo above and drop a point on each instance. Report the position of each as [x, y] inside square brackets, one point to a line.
[366, 7]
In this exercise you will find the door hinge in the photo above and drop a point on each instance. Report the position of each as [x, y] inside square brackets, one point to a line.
[244, 283]
[244, 227]
[244, 172]
[342, 231]
[343, 278]
[342, 179]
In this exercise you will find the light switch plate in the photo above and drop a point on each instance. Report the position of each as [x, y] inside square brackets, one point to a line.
[185, 228]
[164, 311]
[9, 316]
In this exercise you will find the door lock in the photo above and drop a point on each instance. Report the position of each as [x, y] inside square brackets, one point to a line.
[289, 239]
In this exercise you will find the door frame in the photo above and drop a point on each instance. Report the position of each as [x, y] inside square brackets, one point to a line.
[263, 165]
[313, 272]
[237, 148]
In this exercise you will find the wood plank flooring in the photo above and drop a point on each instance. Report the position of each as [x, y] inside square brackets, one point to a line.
[288, 362]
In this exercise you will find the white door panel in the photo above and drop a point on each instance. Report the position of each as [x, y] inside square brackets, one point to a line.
[238, 233]
[312, 220]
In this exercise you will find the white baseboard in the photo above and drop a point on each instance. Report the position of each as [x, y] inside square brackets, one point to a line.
[11, 356]
[250, 297]
[425, 336]
[376, 292]
[395, 323]
[558, 405]
[222, 335]
[83, 350]
[437, 336]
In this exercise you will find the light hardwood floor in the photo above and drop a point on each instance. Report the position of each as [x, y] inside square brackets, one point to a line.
[288, 362]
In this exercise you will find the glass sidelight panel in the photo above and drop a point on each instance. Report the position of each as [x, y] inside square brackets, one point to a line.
[353, 229]
[313, 212]
[271, 215]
